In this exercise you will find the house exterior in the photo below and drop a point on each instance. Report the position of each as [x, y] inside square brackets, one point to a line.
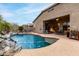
[15, 28]
[56, 15]
[28, 27]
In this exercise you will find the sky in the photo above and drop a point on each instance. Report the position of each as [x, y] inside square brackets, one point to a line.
[21, 13]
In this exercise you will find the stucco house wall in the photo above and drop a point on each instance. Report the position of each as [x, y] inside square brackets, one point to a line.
[57, 11]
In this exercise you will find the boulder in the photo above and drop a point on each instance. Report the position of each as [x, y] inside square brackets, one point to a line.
[9, 47]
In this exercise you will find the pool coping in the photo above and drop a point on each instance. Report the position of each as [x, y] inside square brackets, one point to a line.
[40, 36]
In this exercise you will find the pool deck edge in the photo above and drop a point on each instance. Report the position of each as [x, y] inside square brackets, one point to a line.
[63, 47]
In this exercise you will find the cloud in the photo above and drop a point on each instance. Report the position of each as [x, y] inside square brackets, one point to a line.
[22, 15]
[5, 12]
[32, 8]
[28, 13]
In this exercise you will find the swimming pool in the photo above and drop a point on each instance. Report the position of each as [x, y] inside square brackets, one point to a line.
[30, 41]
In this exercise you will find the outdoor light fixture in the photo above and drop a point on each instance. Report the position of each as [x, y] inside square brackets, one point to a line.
[57, 19]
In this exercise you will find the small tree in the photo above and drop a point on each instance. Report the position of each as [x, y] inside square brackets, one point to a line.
[1, 23]
[4, 26]
[20, 29]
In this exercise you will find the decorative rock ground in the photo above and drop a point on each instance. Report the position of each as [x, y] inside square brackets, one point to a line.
[8, 47]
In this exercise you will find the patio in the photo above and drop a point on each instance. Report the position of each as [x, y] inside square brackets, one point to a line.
[63, 47]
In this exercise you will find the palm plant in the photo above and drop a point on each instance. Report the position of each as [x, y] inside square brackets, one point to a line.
[4, 25]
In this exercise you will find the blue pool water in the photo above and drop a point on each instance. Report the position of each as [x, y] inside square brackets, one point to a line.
[30, 41]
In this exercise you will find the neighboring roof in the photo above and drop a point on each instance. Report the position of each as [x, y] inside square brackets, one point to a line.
[46, 10]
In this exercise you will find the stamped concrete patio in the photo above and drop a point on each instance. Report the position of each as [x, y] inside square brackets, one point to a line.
[63, 47]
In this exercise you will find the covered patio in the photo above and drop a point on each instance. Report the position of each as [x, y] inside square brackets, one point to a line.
[57, 25]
